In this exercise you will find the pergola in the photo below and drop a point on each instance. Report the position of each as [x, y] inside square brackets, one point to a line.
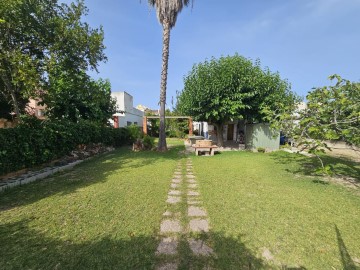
[168, 117]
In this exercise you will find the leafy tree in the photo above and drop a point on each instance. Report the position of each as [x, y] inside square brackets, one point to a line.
[167, 12]
[77, 96]
[37, 36]
[232, 87]
[332, 113]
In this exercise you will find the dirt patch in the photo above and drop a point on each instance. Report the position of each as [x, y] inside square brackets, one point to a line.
[345, 181]
[342, 150]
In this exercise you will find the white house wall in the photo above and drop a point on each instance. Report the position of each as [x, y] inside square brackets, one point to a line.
[135, 118]
[130, 115]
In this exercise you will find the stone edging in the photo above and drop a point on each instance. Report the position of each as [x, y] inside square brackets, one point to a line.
[33, 176]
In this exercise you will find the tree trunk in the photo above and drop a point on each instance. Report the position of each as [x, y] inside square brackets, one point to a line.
[219, 134]
[164, 72]
[11, 90]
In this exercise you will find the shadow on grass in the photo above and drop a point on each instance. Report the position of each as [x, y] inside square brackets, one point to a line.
[29, 249]
[95, 170]
[300, 164]
[346, 259]
[229, 253]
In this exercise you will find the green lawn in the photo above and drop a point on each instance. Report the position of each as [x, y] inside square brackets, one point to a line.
[105, 214]
[267, 205]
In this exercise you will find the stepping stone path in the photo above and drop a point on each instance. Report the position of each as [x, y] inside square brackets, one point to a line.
[179, 225]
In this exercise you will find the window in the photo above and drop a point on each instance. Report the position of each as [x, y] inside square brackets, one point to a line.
[128, 123]
[135, 123]
[40, 113]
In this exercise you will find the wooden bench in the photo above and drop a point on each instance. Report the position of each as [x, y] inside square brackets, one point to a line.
[209, 150]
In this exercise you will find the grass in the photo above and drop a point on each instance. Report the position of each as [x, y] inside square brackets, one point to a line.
[268, 212]
[105, 214]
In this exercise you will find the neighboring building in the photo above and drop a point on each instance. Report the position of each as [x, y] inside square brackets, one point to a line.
[33, 108]
[147, 110]
[127, 115]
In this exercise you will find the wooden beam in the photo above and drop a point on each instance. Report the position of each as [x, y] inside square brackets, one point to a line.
[190, 126]
[145, 125]
[169, 117]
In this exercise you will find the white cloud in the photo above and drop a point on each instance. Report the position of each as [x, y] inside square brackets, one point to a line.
[328, 7]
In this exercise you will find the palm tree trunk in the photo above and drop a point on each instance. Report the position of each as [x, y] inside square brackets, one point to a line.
[164, 72]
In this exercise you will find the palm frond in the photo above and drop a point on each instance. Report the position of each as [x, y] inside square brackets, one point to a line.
[167, 10]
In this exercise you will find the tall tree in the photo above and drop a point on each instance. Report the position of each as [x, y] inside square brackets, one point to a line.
[232, 87]
[38, 35]
[167, 12]
[77, 96]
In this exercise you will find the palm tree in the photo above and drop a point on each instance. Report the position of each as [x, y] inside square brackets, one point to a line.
[167, 11]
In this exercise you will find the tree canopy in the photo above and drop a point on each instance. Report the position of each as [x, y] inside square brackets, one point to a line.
[232, 87]
[39, 36]
[77, 96]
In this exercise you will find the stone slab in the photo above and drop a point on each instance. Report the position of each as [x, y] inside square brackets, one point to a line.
[190, 176]
[167, 246]
[168, 266]
[199, 225]
[173, 199]
[174, 192]
[176, 181]
[167, 213]
[198, 247]
[174, 185]
[193, 193]
[195, 211]
[192, 186]
[170, 226]
[177, 176]
[191, 181]
[194, 202]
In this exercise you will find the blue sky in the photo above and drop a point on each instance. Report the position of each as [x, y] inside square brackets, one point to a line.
[304, 40]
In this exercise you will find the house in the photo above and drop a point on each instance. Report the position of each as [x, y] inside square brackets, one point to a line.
[127, 115]
[33, 108]
[147, 110]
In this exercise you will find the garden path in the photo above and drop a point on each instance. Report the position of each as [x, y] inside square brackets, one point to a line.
[185, 223]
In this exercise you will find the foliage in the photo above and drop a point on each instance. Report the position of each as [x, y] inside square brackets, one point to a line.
[332, 113]
[261, 149]
[39, 36]
[34, 142]
[77, 96]
[232, 87]
[148, 142]
[175, 128]
[134, 132]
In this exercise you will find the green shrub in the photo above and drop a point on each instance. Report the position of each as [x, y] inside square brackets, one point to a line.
[134, 132]
[261, 149]
[35, 142]
[148, 142]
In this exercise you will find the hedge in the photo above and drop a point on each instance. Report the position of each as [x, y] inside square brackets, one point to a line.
[35, 142]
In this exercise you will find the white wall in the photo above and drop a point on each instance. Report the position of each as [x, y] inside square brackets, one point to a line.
[124, 101]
